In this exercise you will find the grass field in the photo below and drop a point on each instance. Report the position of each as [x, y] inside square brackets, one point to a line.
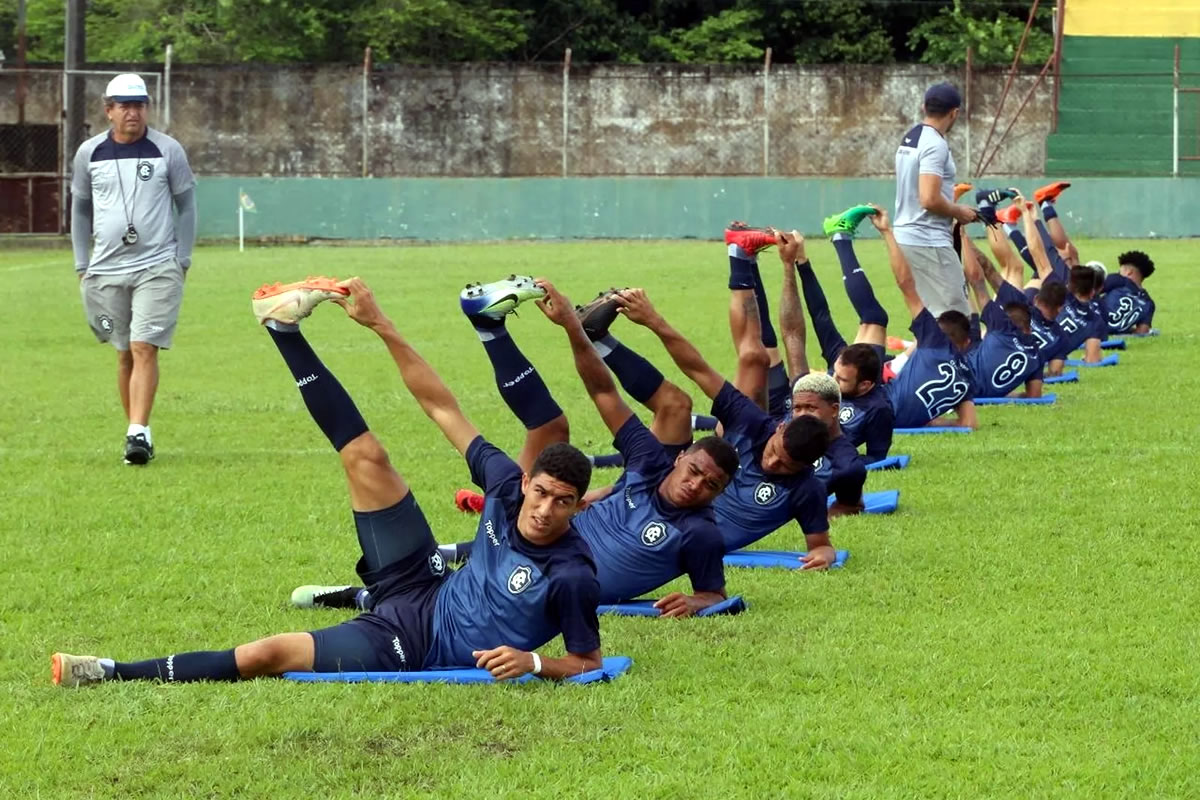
[1026, 625]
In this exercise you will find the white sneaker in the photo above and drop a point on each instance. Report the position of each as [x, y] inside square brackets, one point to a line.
[291, 302]
[71, 671]
[312, 596]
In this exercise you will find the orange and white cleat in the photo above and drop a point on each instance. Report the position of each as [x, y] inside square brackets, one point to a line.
[960, 189]
[291, 302]
[71, 671]
[896, 343]
[468, 501]
[1009, 215]
[1050, 192]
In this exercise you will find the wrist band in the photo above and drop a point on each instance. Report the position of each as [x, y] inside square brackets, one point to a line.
[537, 664]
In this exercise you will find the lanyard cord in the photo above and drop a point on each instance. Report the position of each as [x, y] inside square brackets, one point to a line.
[128, 209]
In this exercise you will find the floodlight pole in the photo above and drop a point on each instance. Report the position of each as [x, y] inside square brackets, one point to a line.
[566, 108]
[366, 100]
[766, 119]
[967, 103]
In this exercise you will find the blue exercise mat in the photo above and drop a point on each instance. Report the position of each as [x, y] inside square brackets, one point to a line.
[613, 667]
[891, 462]
[884, 502]
[931, 429]
[1107, 361]
[1044, 400]
[1070, 376]
[777, 559]
[645, 608]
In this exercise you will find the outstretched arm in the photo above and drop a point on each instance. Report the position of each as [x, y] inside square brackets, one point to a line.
[791, 313]
[900, 269]
[423, 383]
[638, 308]
[597, 380]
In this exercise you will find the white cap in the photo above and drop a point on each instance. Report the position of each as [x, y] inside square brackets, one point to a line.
[127, 88]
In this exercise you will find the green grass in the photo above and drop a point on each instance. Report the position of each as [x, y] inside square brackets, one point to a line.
[1026, 625]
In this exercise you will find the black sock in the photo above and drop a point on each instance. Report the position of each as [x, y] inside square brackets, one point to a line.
[638, 377]
[858, 288]
[520, 385]
[205, 665]
[764, 312]
[1018, 239]
[330, 405]
[741, 269]
[828, 337]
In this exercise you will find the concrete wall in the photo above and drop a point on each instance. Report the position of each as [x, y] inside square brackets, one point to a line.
[456, 209]
[487, 120]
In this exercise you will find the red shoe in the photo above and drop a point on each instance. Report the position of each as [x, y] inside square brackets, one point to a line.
[960, 189]
[749, 239]
[896, 343]
[1050, 192]
[468, 501]
[1010, 215]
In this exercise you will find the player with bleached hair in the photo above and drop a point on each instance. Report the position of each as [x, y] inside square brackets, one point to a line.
[842, 470]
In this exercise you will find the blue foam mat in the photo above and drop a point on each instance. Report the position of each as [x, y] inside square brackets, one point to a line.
[645, 608]
[931, 429]
[884, 502]
[1070, 376]
[1044, 400]
[891, 462]
[1107, 361]
[614, 666]
[777, 559]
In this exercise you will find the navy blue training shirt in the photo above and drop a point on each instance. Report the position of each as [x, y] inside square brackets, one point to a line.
[869, 420]
[1126, 305]
[513, 592]
[1005, 358]
[935, 379]
[842, 471]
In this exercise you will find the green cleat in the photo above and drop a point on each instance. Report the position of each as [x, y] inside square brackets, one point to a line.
[495, 300]
[847, 221]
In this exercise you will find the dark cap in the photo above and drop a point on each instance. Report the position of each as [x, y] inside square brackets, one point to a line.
[942, 98]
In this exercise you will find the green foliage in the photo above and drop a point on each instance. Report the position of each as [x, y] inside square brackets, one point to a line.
[994, 37]
[731, 36]
[437, 30]
[826, 31]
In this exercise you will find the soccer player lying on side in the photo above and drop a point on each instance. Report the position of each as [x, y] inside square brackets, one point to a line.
[775, 482]
[533, 578]
[1128, 307]
[658, 524]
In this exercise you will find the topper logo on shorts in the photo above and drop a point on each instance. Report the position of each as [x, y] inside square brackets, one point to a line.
[764, 493]
[104, 323]
[399, 650]
[846, 414]
[437, 564]
[520, 579]
[654, 534]
[145, 170]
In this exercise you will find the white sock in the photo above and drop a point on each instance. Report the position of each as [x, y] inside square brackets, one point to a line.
[282, 327]
[898, 362]
[144, 430]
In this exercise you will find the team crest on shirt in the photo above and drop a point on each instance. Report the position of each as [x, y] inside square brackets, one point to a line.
[820, 462]
[846, 414]
[145, 170]
[437, 564]
[654, 534]
[104, 323]
[765, 492]
[520, 579]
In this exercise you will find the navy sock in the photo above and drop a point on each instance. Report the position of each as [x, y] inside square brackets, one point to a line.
[858, 288]
[1057, 264]
[831, 341]
[1017, 238]
[638, 377]
[779, 391]
[520, 385]
[741, 269]
[326, 399]
[1049, 212]
[703, 422]
[210, 665]
[764, 312]
[975, 332]
[607, 460]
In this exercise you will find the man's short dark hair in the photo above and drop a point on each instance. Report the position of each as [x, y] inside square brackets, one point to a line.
[566, 463]
[721, 452]
[1082, 280]
[805, 439]
[955, 325]
[1019, 314]
[1139, 261]
[865, 360]
[1052, 295]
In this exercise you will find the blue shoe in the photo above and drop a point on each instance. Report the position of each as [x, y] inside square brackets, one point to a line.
[993, 196]
[497, 300]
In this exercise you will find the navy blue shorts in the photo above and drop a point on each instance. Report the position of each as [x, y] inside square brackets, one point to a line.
[395, 635]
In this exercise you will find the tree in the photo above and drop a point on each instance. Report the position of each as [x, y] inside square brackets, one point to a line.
[991, 33]
[731, 36]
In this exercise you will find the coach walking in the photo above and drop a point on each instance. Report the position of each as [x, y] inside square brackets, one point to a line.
[123, 186]
[925, 207]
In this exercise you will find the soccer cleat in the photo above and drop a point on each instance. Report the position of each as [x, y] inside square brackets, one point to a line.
[1009, 216]
[326, 596]
[71, 671]
[138, 451]
[960, 189]
[896, 343]
[847, 221]
[500, 298]
[993, 196]
[469, 501]
[751, 240]
[291, 302]
[1050, 192]
[598, 315]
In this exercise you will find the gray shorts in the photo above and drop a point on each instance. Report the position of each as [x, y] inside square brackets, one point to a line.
[939, 277]
[141, 306]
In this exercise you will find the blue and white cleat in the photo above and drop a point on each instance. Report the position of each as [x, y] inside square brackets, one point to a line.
[500, 298]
